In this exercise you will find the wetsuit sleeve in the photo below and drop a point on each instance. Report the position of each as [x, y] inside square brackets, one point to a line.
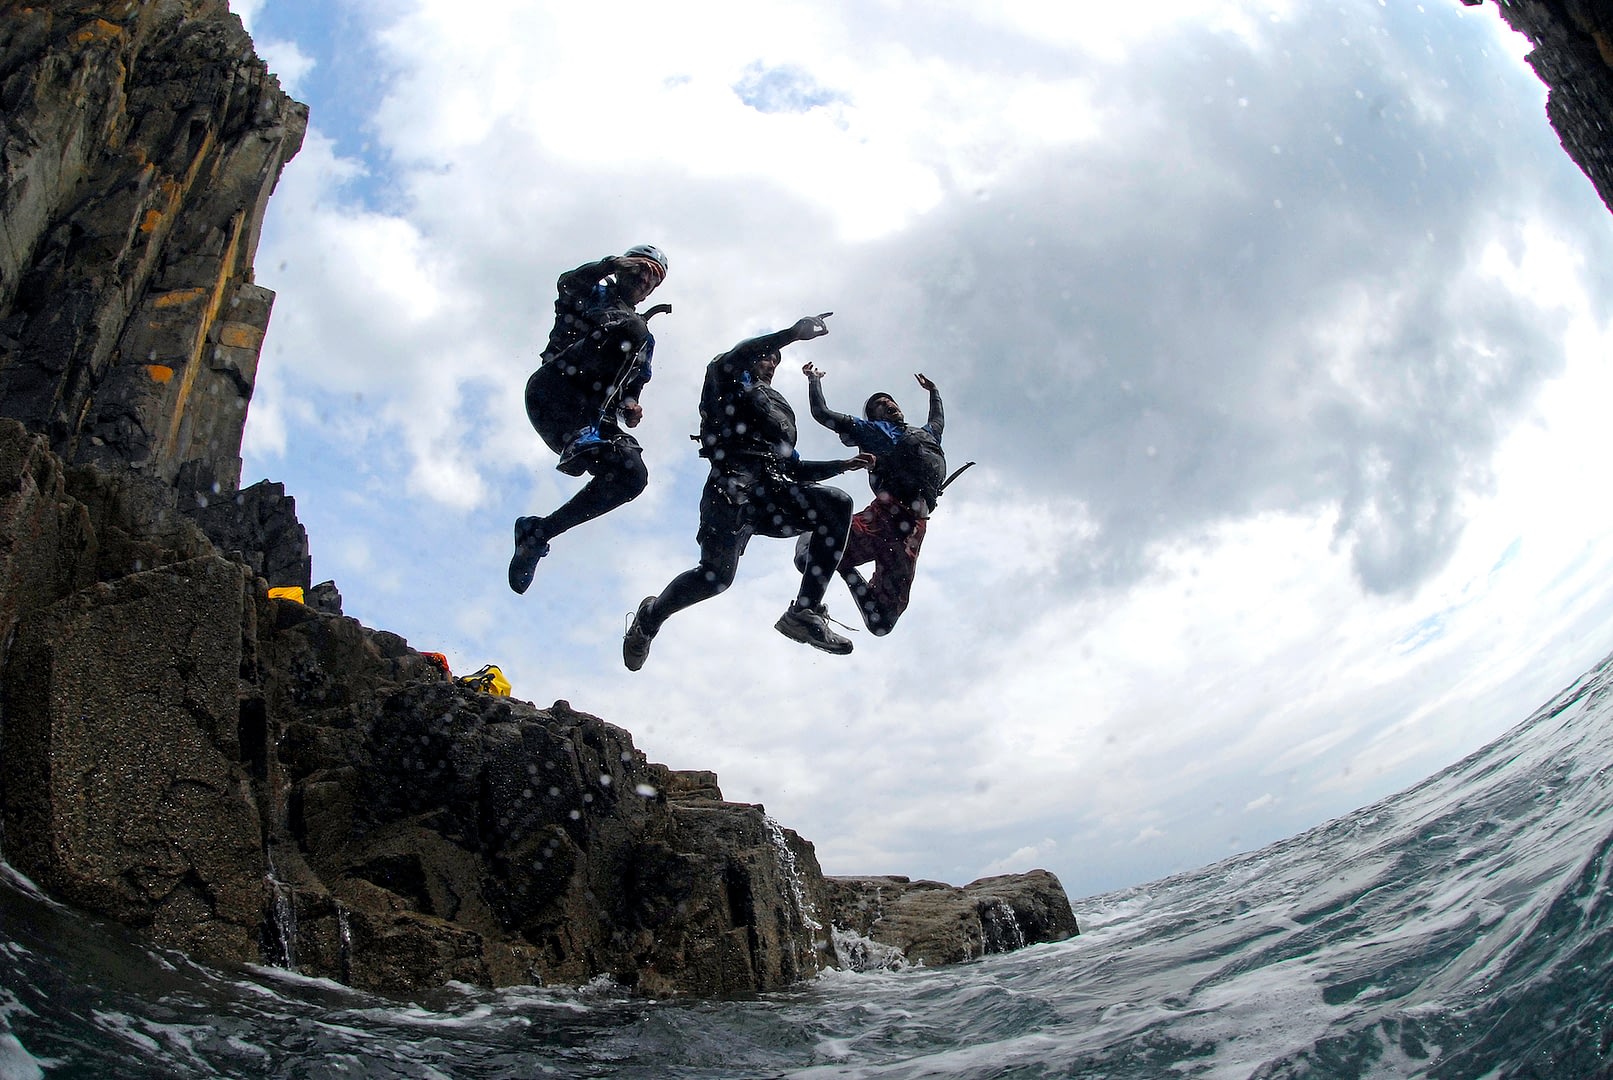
[724, 375]
[839, 423]
[751, 348]
[811, 472]
[581, 281]
[937, 414]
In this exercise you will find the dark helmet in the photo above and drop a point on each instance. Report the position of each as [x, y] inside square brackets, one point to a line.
[868, 406]
[647, 251]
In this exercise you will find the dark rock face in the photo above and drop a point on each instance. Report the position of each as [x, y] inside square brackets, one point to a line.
[480, 838]
[121, 790]
[1573, 56]
[141, 142]
[252, 779]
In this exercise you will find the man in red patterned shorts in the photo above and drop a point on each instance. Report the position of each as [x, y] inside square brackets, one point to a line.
[907, 478]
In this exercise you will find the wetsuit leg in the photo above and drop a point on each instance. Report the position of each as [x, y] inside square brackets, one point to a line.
[891, 542]
[790, 509]
[892, 583]
[616, 468]
[725, 529]
[715, 572]
[617, 476]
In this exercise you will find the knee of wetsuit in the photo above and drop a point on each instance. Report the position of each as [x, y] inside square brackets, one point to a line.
[718, 575]
[635, 476]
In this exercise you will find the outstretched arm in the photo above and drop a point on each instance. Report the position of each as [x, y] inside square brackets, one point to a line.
[937, 418]
[834, 421]
[804, 329]
[813, 471]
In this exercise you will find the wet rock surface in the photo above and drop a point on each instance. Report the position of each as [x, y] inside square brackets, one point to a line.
[930, 922]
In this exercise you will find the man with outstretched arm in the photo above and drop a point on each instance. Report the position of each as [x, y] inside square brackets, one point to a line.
[906, 481]
[757, 484]
[594, 367]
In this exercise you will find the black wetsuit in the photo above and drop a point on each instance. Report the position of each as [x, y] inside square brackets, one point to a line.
[599, 351]
[757, 484]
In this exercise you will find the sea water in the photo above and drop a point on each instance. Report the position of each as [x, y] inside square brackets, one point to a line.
[1459, 929]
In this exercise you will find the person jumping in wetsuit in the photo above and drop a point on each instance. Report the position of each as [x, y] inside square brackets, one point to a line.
[907, 480]
[594, 367]
[757, 484]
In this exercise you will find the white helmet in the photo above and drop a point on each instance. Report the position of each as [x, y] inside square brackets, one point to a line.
[647, 251]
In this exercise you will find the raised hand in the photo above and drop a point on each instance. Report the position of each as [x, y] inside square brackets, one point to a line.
[811, 326]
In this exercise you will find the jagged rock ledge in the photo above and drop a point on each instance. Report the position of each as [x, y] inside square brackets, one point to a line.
[251, 779]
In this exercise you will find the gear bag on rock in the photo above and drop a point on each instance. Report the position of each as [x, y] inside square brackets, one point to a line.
[487, 679]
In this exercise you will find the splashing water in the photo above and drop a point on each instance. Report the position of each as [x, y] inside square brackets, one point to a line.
[786, 858]
[1462, 929]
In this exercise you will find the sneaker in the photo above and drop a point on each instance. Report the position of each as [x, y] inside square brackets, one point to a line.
[636, 642]
[530, 546]
[810, 626]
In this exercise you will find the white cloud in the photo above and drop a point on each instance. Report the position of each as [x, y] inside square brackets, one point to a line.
[287, 62]
[1201, 422]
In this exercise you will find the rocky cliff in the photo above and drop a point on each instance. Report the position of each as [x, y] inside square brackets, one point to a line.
[254, 779]
[1573, 55]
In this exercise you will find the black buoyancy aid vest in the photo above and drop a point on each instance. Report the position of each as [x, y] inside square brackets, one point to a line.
[914, 469]
[741, 418]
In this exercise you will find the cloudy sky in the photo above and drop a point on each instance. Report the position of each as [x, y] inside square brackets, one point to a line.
[1279, 335]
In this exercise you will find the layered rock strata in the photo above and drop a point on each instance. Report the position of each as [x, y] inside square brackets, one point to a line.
[253, 779]
[141, 141]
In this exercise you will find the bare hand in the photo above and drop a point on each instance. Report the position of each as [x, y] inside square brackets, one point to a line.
[632, 413]
[811, 372]
[924, 382]
[864, 460]
[811, 327]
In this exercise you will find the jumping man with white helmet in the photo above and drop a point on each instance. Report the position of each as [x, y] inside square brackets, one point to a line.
[594, 367]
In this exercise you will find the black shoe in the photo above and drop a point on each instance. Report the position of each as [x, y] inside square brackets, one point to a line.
[810, 626]
[530, 546]
[636, 642]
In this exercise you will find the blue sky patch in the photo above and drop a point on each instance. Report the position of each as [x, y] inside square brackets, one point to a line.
[782, 89]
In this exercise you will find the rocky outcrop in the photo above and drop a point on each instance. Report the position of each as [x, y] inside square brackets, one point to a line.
[475, 837]
[140, 144]
[882, 921]
[1573, 55]
[248, 778]
[251, 779]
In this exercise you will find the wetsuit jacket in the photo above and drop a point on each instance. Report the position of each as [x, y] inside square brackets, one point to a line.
[910, 467]
[595, 337]
[746, 424]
